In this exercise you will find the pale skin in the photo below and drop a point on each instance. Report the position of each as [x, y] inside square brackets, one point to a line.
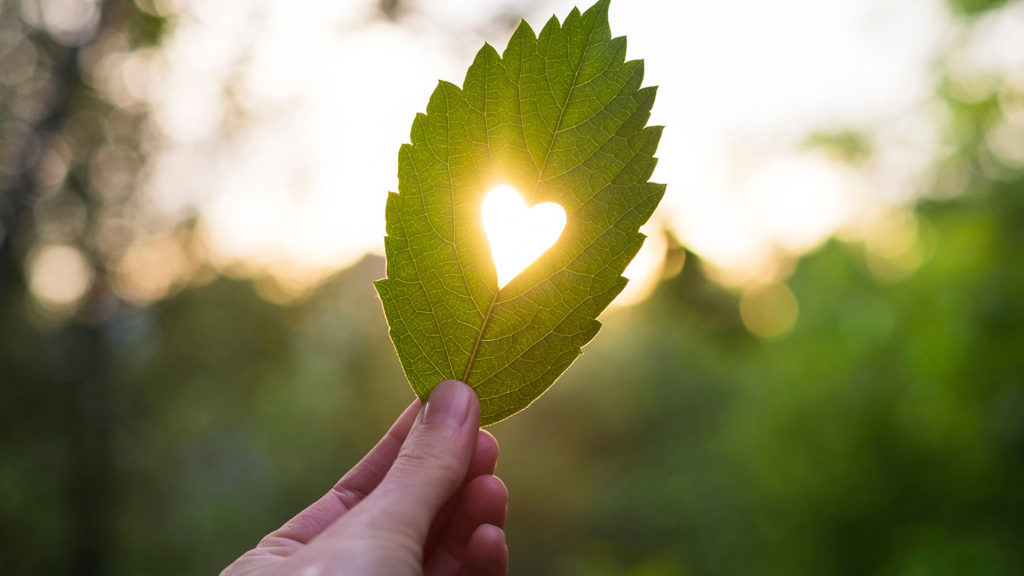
[424, 501]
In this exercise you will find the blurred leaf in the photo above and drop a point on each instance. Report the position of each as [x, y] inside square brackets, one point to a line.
[851, 146]
[149, 30]
[560, 117]
[974, 7]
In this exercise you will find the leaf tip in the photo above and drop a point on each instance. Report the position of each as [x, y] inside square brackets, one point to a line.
[600, 9]
[487, 55]
[524, 29]
[550, 27]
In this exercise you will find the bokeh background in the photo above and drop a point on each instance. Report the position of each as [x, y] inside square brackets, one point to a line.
[818, 367]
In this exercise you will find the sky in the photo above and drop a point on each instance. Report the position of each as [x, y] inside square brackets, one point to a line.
[279, 123]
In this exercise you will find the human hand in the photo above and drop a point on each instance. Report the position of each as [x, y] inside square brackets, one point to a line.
[423, 501]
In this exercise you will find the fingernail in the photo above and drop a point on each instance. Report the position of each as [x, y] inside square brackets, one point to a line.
[448, 404]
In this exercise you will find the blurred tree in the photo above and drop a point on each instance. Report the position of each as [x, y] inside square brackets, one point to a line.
[974, 7]
[66, 195]
[883, 435]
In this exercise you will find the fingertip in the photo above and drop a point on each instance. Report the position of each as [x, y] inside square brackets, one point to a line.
[485, 455]
[487, 552]
[485, 500]
[452, 403]
[485, 438]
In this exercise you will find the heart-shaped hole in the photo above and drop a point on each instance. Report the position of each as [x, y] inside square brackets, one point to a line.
[519, 235]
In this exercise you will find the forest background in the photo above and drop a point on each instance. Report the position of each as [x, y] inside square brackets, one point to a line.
[818, 366]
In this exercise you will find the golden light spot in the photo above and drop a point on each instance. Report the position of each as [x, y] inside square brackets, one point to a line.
[149, 269]
[644, 272]
[769, 312]
[893, 251]
[519, 235]
[58, 276]
[799, 200]
[1006, 141]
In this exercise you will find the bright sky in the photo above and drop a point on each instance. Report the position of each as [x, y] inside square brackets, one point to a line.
[282, 122]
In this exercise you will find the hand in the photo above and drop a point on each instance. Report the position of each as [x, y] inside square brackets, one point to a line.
[424, 501]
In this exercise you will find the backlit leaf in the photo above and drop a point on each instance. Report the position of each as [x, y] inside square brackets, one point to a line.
[561, 117]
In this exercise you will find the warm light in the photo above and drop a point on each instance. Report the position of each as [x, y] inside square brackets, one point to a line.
[149, 269]
[644, 271]
[59, 276]
[519, 235]
[769, 312]
[797, 201]
[893, 248]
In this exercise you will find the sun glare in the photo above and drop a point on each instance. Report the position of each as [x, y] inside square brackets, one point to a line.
[58, 276]
[518, 235]
[296, 190]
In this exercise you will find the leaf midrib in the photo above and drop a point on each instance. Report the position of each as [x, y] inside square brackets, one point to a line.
[565, 105]
[480, 336]
[540, 175]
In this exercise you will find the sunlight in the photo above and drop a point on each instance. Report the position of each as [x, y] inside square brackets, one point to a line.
[770, 312]
[59, 276]
[289, 175]
[518, 235]
[645, 270]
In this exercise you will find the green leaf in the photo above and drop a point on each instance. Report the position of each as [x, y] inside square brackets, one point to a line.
[562, 118]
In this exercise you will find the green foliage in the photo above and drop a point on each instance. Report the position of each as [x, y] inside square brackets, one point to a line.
[562, 118]
[974, 7]
[883, 436]
[851, 146]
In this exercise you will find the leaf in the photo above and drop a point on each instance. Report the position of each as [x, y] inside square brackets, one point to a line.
[562, 118]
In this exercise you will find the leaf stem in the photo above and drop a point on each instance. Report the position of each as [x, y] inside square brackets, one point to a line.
[480, 336]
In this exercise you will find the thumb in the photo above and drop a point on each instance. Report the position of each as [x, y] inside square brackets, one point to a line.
[430, 466]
